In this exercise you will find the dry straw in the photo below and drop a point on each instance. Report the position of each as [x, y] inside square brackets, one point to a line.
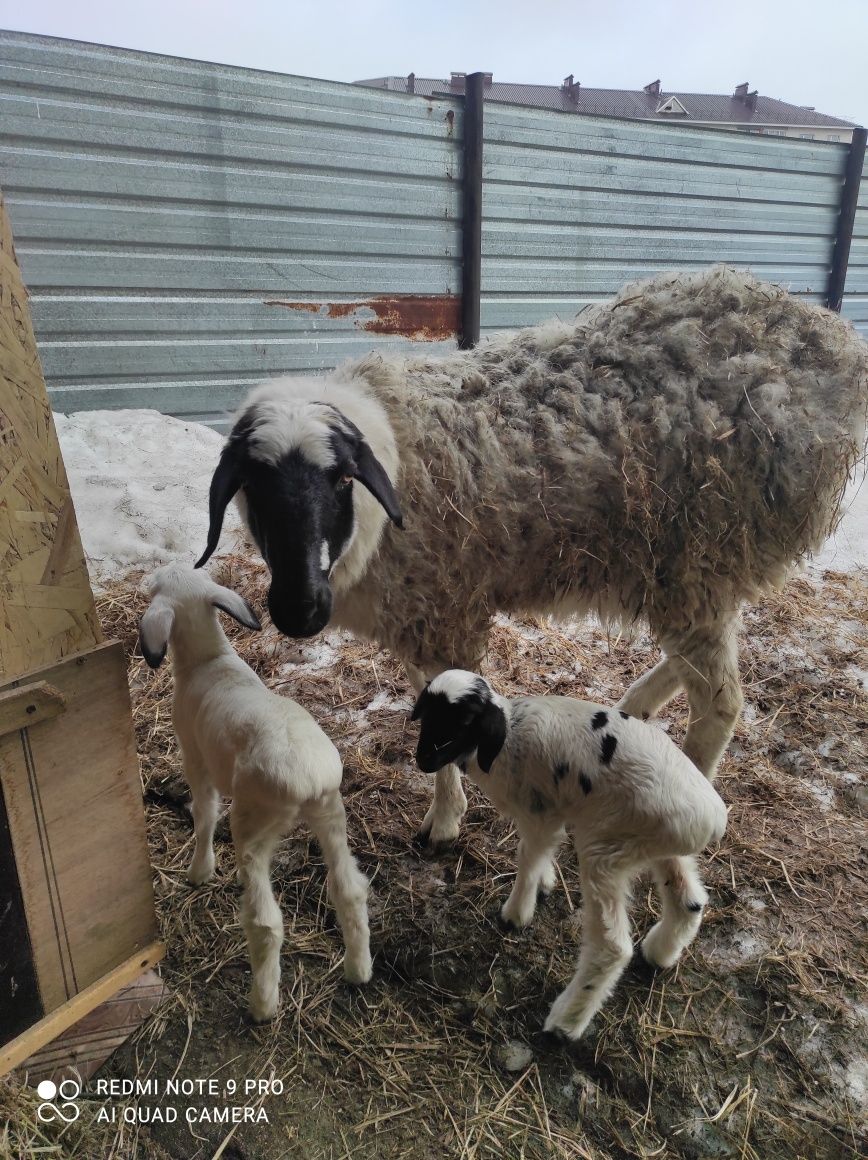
[749, 1049]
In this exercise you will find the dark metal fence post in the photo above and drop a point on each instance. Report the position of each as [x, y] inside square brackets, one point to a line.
[844, 235]
[471, 280]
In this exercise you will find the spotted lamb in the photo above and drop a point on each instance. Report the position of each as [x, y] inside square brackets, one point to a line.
[629, 797]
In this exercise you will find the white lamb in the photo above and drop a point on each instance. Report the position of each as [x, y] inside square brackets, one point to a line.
[628, 795]
[264, 751]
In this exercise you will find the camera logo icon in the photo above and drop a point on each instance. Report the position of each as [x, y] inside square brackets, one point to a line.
[66, 1091]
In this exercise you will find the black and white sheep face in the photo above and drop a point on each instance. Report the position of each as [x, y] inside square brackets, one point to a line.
[459, 718]
[294, 467]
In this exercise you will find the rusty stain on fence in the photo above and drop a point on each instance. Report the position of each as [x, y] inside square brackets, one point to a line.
[422, 317]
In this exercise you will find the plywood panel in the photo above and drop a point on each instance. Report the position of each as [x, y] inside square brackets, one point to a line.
[46, 604]
[73, 796]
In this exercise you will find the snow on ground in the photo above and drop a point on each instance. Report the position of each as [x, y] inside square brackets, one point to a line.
[139, 483]
[847, 550]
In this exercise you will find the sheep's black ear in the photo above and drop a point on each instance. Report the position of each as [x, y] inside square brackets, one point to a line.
[154, 630]
[237, 607]
[224, 484]
[368, 470]
[491, 734]
[417, 708]
[371, 473]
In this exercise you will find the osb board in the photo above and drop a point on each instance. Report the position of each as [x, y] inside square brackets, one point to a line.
[46, 604]
[73, 798]
[80, 1050]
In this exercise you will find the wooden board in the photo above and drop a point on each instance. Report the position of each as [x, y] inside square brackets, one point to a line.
[46, 604]
[19, 1050]
[73, 797]
[80, 1050]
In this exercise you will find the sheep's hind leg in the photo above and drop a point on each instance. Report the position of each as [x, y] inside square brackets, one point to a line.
[647, 695]
[606, 945]
[682, 898]
[347, 886]
[707, 663]
[261, 917]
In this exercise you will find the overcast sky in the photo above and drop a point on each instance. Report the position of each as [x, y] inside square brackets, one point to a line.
[804, 51]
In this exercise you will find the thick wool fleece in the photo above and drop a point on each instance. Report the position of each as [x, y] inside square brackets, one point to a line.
[670, 454]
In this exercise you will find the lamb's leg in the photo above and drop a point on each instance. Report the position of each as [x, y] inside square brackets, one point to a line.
[682, 898]
[261, 917]
[707, 664]
[535, 871]
[651, 691]
[347, 886]
[606, 946]
[206, 811]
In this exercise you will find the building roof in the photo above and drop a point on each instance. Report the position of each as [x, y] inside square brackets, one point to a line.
[740, 107]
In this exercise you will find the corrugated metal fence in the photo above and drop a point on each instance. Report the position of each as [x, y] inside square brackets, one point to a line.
[177, 223]
[855, 305]
[574, 207]
[186, 228]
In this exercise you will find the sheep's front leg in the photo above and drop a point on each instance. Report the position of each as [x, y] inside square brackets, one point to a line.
[535, 871]
[682, 898]
[205, 810]
[442, 821]
[606, 947]
[347, 886]
[261, 917]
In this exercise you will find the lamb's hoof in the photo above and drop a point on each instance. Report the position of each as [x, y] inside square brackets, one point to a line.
[552, 1038]
[262, 1012]
[506, 924]
[423, 840]
[199, 877]
[656, 956]
[358, 973]
[640, 966]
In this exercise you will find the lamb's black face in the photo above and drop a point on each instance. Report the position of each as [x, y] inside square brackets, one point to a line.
[295, 469]
[458, 718]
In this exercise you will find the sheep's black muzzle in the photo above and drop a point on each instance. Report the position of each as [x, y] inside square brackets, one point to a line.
[300, 616]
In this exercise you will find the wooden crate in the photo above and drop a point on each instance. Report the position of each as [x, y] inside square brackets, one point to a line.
[77, 915]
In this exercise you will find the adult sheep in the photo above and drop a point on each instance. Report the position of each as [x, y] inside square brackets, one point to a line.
[664, 457]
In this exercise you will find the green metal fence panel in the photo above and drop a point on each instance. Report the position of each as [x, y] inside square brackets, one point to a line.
[186, 229]
[574, 207]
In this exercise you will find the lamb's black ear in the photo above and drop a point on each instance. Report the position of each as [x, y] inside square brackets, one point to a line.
[371, 473]
[237, 607]
[491, 733]
[417, 708]
[224, 484]
[155, 628]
